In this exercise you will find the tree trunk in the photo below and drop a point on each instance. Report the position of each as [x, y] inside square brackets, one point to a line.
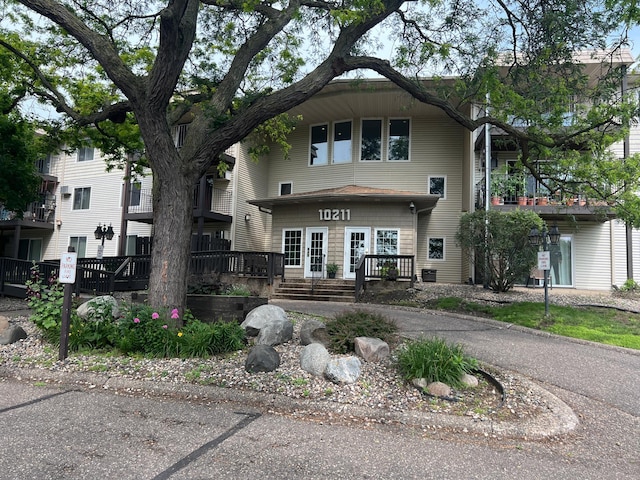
[170, 257]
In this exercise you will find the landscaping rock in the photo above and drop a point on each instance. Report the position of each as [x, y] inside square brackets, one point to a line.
[371, 349]
[11, 334]
[439, 389]
[420, 383]
[343, 370]
[314, 331]
[97, 307]
[314, 358]
[469, 380]
[262, 358]
[261, 316]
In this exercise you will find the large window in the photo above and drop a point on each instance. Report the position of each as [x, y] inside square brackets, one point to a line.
[81, 198]
[371, 145]
[80, 244]
[85, 154]
[387, 242]
[319, 145]
[292, 247]
[342, 142]
[399, 139]
[436, 248]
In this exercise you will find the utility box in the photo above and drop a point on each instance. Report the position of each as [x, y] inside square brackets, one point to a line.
[429, 275]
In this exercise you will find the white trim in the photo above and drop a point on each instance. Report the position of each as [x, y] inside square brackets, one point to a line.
[333, 141]
[325, 124]
[375, 238]
[444, 249]
[301, 245]
[388, 138]
[280, 184]
[444, 196]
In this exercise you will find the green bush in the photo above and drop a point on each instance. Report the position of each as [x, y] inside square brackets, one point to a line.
[434, 360]
[346, 326]
[45, 303]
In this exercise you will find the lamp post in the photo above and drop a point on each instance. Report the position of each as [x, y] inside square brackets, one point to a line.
[552, 237]
[101, 233]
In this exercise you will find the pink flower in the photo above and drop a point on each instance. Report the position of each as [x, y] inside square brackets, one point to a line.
[174, 313]
[155, 315]
[136, 320]
[165, 326]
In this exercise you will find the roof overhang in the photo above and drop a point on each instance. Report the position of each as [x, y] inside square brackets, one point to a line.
[423, 202]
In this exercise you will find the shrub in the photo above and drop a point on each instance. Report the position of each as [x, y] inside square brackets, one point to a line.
[346, 326]
[630, 285]
[45, 303]
[434, 360]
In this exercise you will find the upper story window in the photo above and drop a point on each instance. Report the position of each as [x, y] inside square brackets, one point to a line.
[399, 139]
[371, 144]
[135, 189]
[319, 145]
[342, 142]
[179, 134]
[81, 198]
[85, 154]
[286, 188]
[438, 185]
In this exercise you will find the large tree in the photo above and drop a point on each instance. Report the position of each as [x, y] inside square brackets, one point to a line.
[125, 65]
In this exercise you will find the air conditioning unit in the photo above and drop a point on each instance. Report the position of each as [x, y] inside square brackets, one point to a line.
[65, 191]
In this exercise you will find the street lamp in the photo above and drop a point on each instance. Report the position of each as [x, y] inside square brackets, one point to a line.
[552, 237]
[101, 233]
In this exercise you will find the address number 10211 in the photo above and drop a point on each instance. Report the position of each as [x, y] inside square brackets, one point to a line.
[328, 214]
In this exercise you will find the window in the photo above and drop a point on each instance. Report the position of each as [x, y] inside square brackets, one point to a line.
[342, 142]
[436, 248]
[437, 186]
[371, 146]
[286, 188]
[130, 245]
[292, 247]
[179, 133]
[80, 244]
[319, 145]
[399, 139]
[30, 249]
[561, 272]
[134, 194]
[85, 154]
[81, 197]
[387, 242]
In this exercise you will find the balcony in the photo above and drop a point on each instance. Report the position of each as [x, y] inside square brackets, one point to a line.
[36, 215]
[508, 194]
[214, 205]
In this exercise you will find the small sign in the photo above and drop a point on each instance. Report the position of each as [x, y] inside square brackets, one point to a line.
[544, 261]
[68, 267]
[100, 252]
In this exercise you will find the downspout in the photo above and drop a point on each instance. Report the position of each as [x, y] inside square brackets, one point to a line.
[625, 155]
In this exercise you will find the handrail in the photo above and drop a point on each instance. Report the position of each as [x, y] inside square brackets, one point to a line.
[384, 267]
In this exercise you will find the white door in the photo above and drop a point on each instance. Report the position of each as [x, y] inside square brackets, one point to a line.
[356, 244]
[315, 251]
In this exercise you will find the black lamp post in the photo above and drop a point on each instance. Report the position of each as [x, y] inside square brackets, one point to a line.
[552, 237]
[101, 233]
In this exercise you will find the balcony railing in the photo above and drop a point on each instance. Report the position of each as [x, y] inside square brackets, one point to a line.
[219, 201]
[35, 212]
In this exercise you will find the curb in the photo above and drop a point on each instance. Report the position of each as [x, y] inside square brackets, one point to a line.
[559, 419]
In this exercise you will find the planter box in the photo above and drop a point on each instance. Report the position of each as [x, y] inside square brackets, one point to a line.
[212, 308]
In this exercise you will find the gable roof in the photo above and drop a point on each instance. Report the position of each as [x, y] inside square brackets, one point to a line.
[352, 193]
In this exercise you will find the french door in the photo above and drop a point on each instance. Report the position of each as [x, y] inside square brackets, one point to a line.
[356, 244]
[315, 251]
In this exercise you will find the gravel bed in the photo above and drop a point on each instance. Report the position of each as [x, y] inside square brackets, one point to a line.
[379, 386]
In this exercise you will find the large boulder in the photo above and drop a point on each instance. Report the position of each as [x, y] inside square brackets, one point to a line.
[260, 316]
[314, 358]
[97, 308]
[10, 333]
[371, 349]
[262, 358]
[313, 331]
[343, 370]
[270, 324]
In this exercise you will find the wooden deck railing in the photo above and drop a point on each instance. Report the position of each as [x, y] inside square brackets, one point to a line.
[384, 267]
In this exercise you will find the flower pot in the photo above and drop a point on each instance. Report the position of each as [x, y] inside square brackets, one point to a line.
[543, 201]
[522, 200]
[530, 201]
[496, 200]
[570, 202]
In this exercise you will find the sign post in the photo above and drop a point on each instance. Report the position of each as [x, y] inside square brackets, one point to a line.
[67, 276]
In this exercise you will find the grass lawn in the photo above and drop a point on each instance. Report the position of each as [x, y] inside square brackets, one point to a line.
[603, 325]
